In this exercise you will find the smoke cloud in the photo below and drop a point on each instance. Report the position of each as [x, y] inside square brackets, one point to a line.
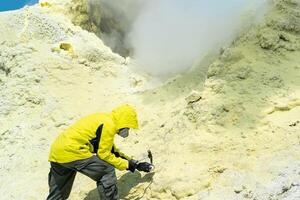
[113, 20]
[167, 36]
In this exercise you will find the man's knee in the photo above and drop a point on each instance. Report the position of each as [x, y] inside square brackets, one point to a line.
[109, 178]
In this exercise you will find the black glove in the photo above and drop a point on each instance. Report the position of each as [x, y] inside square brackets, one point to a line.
[144, 166]
[132, 165]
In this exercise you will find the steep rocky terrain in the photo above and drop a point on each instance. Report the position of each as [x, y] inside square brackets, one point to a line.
[228, 129]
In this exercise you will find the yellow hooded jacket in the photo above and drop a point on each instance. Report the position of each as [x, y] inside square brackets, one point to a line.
[74, 143]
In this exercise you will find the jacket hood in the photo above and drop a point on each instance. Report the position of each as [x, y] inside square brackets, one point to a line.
[125, 116]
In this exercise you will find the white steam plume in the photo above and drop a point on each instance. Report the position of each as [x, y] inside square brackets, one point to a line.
[167, 36]
[113, 19]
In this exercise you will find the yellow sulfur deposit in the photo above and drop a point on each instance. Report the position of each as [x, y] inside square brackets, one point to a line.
[45, 4]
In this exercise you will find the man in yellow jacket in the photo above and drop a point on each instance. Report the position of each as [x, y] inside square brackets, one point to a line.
[88, 147]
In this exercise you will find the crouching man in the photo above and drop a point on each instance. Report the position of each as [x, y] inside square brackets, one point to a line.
[88, 147]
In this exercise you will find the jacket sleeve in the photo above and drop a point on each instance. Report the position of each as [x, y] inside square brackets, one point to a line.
[119, 153]
[105, 147]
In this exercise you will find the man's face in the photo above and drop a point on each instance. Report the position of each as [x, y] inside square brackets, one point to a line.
[123, 132]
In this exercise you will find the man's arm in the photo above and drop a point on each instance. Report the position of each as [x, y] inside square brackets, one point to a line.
[105, 147]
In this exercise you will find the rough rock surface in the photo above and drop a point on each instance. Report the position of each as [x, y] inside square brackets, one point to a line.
[234, 135]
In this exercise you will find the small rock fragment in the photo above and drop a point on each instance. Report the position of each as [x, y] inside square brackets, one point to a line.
[294, 124]
[239, 189]
[243, 73]
[66, 46]
[194, 97]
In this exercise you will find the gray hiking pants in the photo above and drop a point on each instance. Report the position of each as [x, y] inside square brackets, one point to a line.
[61, 178]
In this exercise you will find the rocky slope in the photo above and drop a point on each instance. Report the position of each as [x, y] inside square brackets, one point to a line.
[231, 132]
